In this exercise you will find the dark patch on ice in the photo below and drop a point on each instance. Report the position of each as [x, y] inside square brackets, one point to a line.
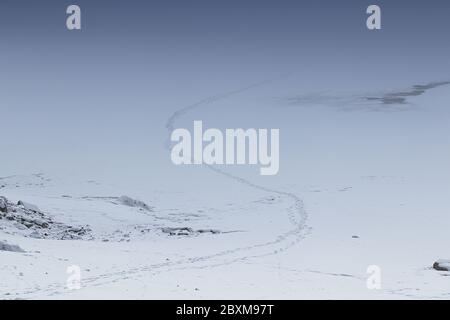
[392, 101]
[401, 97]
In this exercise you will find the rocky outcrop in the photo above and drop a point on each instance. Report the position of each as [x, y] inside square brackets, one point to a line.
[26, 219]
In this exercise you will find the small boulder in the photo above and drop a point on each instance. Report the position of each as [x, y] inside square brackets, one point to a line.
[442, 265]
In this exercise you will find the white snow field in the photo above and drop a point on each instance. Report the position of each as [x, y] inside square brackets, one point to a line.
[361, 184]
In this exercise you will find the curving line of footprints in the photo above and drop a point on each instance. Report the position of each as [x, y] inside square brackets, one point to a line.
[296, 214]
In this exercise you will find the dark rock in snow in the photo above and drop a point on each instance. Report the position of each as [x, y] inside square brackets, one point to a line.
[442, 265]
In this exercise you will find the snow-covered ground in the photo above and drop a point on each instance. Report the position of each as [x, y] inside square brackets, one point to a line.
[370, 189]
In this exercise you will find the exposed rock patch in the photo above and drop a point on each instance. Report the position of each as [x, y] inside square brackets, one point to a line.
[186, 231]
[26, 219]
[442, 265]
[401, 97]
